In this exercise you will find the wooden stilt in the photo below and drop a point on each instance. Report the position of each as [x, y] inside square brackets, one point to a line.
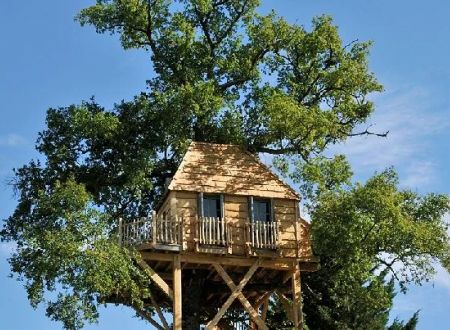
[177, 299]
[297, 314]
[265, 308]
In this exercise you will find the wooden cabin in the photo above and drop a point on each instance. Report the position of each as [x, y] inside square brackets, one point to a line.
[226, 213]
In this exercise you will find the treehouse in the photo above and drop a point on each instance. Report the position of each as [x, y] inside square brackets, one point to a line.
[226, 236]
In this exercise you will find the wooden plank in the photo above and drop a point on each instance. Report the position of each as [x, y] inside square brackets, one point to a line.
[272, 263]
[156, 278]
[177, 298]
[236, 214]
[236, 290]
[187, 195]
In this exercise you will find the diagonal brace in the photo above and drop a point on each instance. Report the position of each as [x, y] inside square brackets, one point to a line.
[160, 313]
[237, 293]
[156, 278]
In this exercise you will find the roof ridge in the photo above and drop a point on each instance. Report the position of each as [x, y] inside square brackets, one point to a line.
[216, 144]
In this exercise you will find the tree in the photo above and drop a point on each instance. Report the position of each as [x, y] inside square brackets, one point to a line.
[223, 73]
[370, 237]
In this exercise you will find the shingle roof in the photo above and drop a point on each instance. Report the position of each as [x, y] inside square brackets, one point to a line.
[227, 169]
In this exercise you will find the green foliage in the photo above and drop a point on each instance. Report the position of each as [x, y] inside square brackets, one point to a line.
[276, 316]
[224, 74]
[369, 237]
[66, 245]
[410, 325]
[227, 74]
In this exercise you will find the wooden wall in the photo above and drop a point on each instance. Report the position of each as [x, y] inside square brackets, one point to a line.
[294, 231]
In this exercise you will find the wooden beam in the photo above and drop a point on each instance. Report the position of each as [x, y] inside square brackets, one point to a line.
[297, 314]
[261, 289]
[260, 300]
[148, 317]
[195, 258]
[309, 266]
[265, 308]
[287, 304]
[177, 298]
[237, 293]
[287, 276]
[160, 313]
[156, 278]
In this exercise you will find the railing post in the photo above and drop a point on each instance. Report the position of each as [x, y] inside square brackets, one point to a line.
[120, 231]
[182, 240]
[198, 232]
[154, 229]
[278, 238]
[249, 239]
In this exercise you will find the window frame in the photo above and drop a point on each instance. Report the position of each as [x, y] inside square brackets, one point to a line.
[270, 208]
[201, 204]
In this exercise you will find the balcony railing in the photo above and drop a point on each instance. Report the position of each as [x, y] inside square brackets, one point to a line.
[136, 232]
[160, 232]
[263, 235]
[152, 229]
[213, 231]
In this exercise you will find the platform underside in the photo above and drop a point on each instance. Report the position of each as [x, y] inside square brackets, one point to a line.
[198, 272]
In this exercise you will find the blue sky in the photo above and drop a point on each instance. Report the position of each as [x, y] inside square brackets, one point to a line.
[48, 60]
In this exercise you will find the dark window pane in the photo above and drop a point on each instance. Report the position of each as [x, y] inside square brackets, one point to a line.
[261, 210]
[211, 206]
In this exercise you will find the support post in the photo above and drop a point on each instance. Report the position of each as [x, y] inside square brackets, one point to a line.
[265, 308]
[297, 314]
[177, 298]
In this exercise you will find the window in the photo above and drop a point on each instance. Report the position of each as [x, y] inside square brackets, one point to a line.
[210, 206]
[262, 210]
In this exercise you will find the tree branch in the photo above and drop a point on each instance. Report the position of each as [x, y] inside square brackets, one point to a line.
[367, 132]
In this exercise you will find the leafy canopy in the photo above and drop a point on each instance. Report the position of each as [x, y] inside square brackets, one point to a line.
[223, 73]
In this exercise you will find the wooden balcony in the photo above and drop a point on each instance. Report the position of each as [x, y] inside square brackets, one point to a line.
[213, 235]
[160, 233]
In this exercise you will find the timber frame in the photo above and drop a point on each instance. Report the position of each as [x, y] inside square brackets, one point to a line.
[231, 223]
[232, 283]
